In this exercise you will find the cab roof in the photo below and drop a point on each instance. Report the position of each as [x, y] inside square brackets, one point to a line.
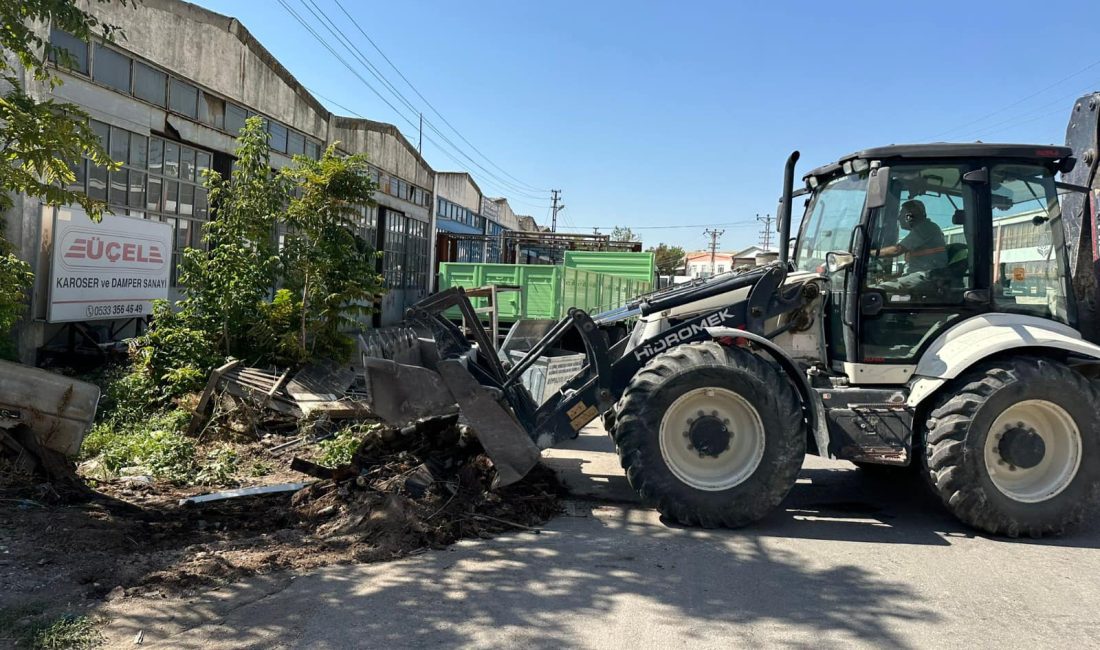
[941, 150]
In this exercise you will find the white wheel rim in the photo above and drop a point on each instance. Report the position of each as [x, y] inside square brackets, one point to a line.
[1061, 457]
[726, 469]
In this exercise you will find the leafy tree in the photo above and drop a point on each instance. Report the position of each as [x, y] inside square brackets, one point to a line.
[668, 259]
[623, 233]
[225, 287]
[39, 140]
[325, 261]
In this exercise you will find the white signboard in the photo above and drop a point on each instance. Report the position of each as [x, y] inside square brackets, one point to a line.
[108, 270]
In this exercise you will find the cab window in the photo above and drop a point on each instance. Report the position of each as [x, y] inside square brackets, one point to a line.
[831, 218]
[1029, 266]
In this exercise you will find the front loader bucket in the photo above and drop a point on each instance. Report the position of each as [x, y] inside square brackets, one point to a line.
[426, 368]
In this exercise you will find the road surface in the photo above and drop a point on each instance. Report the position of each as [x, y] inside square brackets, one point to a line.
[847, 560]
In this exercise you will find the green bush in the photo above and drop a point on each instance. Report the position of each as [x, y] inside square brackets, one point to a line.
[175, 357]
[154, 443]
[339, 449]
[219, 466]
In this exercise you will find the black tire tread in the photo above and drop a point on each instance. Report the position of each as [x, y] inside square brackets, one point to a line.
[946, 450]
[652, 487]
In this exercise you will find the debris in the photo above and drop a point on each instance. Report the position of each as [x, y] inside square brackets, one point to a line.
[327, 388]
[313, 469]
[198, 416]
[508, 523]
[420, 486]
[43, 419]
[242, 492]
[139, 638]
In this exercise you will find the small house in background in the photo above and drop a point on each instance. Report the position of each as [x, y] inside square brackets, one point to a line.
[701, 264]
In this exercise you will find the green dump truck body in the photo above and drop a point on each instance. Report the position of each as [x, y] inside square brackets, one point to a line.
[592, 281]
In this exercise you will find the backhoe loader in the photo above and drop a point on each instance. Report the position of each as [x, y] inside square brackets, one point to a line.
[936, 306]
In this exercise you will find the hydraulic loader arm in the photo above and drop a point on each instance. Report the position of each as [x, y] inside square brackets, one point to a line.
[596, 388]
[1080, 211]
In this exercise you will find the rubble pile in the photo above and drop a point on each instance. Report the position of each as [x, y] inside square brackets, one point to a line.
[422, 486]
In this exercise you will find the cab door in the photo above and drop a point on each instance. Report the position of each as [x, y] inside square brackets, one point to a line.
[907, 299]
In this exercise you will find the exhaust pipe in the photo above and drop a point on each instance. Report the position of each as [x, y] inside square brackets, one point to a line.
[784, 222]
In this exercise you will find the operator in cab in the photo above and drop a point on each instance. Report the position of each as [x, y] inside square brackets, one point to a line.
[924, 248]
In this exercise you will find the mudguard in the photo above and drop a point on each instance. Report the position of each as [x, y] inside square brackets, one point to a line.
[983, 336]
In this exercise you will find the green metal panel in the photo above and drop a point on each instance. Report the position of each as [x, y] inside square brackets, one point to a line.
[592, 281]
[540, 297]
[638, 266]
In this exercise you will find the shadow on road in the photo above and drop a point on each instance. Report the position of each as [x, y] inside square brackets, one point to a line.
[835, 503]
[545, 587]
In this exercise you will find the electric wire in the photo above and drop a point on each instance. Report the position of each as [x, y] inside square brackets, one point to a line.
[428, 103]
[356, 53]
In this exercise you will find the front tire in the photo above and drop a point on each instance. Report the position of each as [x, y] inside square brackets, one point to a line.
[1015, 448]
[710, 436]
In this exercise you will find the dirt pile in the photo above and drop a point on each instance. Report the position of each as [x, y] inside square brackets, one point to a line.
[424, 486]
[404, 491]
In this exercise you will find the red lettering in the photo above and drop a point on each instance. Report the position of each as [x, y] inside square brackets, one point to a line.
[112, 251]
[95, 252]
[128, 252]
[140, 256]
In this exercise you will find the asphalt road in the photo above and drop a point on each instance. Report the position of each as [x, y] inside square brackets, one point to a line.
[846, 561]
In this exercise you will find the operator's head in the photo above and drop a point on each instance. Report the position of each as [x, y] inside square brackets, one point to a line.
[911, 213]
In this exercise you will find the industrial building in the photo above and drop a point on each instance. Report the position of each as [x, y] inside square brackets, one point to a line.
[168, 101]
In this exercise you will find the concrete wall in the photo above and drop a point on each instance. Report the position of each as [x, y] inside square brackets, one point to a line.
[387, 149]
[505, 216]
[459, 188]
[218, 53]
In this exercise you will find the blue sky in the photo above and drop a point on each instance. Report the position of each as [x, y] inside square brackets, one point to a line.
[651, 114]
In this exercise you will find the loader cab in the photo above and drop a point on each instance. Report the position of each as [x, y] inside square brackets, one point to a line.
[915, 239]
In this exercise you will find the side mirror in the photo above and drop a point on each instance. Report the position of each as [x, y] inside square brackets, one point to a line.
[836, 261]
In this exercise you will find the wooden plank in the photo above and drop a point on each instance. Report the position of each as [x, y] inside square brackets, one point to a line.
[199, 414]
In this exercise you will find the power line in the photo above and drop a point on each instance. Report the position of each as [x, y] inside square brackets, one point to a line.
[337, 33]
[1017, 102]
[428, 103]
[697, 225]
[1040, 111]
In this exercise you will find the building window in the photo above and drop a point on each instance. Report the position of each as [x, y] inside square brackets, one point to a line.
[183, 98]
[156, 156]
[138, 147]
[150, 84]
[278, 136]
[313, 150]
[74, 51]
[171, 159]
[234, 118]
[120, 145]
[295, 144]
[111, 68]
[120, 186]
[187, 164]
[211, 110]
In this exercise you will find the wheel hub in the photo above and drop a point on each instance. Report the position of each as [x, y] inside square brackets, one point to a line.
[697, 439]
[709, 436]
[1033, 450]
[1022, 447]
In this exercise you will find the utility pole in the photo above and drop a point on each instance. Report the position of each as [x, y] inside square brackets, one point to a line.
[420, 144]
[714, 235]
[555, 195]
[766, 233]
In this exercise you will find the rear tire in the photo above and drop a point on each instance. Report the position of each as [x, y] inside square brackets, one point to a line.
[1014, 449]
[710, 436]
